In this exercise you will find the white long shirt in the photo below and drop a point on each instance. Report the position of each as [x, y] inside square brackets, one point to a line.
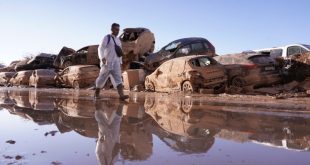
[107, 50]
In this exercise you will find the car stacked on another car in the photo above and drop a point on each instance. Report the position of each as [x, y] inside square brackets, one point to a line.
[189, 74]
[79, 76]
[179, 48]
[41, 61]
[137, 43]
[85, 56]
[250, 69]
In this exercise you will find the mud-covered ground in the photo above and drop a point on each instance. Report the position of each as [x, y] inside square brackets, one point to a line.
[62, 126]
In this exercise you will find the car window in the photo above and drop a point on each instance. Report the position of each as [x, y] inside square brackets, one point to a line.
[261, 59]
[197, 48]
[83, 50]
[303, 50]
[206, 45]
[276, 53]
[172, 46]
[202, 62]
[183, 51]
[293, 50]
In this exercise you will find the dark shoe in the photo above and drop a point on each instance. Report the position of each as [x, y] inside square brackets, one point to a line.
[97, 93]
[120, 91]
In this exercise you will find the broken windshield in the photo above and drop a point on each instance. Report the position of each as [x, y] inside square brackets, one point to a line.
[172, 46]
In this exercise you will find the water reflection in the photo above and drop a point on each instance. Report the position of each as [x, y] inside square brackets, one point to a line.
[124, 130]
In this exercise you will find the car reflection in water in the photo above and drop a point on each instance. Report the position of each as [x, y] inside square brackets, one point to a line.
[124, 130]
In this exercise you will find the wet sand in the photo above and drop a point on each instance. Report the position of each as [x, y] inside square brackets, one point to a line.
[64, 126]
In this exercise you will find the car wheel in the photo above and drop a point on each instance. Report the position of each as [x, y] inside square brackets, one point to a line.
[67, 64]
[149, 86]
[238, 82]
[186, 105]
[76, 85]
[187, 87]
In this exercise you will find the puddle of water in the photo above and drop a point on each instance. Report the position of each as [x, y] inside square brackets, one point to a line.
[67, 127]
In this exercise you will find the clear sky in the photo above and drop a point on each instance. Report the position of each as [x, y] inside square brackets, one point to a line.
[33, 26]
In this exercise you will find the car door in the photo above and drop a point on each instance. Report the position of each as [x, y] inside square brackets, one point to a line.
[184, 50]
[162, 74]
[175, 77]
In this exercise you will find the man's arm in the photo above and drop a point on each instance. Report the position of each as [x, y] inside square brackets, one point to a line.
[101, 48]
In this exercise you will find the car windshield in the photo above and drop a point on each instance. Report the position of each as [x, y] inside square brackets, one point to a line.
[172, 46]
[307, 46]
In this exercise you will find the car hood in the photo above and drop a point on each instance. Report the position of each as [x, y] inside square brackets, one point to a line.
[156, 57]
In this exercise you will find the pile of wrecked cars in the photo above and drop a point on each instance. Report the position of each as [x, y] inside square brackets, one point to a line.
[190, 65]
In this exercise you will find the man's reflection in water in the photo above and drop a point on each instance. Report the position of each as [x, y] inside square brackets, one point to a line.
[108, 116]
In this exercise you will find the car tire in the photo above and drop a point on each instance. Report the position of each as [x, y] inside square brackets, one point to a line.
[186, 105]
[187, 87]
[238, 82]
[67, 64]
[149, 86]
[76, 85]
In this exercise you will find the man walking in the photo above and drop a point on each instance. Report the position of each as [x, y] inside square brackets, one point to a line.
[110, 62]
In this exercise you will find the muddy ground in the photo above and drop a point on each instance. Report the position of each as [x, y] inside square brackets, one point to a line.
[64, 126]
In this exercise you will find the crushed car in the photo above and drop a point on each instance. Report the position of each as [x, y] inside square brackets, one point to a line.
[85, 56]
[21, 78]
[79, 76]
[42, 78]
[5, 78]
[250, 69]
[137, 43]
[179, 48]
[188, 74]
[10, 68]
[41, 61]
[65, 51]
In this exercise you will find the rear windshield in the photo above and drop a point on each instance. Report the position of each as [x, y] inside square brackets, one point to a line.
[203, 62]
[261, 59]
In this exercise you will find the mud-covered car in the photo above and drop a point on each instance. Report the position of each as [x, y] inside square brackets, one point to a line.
[79, 76]
[188, 74]
[42, 78]
[65, 51]
[136, 44]
[250, 69]
[5, 78]
[179, 48]
[41, 61]
[10, 68]
[85, 56]
[21, 78]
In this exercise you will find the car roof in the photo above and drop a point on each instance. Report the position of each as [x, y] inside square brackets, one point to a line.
[138, 29]
[244, 55]
[190, 39]
[45, 55]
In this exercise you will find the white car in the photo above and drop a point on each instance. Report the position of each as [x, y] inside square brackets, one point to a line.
[286, 51]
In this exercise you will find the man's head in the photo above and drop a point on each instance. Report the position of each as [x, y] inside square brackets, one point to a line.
[115, 29]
